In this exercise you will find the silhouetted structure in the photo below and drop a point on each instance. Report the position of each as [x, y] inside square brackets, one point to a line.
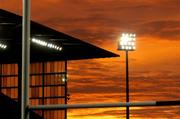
[50, 51]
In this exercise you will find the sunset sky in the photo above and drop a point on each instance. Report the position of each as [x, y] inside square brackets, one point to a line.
[154, 66]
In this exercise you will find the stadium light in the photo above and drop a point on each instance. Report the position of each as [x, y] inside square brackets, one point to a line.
[127, 42]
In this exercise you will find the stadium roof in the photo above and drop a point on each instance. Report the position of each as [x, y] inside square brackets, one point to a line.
[47, 44]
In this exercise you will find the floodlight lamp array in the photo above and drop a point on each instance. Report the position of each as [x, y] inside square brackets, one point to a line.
[127, 42]
[46, 44]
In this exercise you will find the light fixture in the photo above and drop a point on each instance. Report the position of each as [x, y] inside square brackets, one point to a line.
[127, 42]
[46, 44]
[3, 46]
[64, 78]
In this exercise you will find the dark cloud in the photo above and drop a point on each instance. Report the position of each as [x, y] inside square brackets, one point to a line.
[163, 29]
[105, 19]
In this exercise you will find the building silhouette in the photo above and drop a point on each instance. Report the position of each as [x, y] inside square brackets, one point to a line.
[50, 51]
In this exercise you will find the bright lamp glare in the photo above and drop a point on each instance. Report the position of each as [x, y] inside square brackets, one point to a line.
[3, 46]
[46, 44]
[122, 47]
[64, 78]
[127, 41]
[134, 47]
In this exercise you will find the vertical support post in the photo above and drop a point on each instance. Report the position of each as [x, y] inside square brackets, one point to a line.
[127, 85]
[43, 73]
[1, 73]
[66, 87]
[25, 59]
[19, 89]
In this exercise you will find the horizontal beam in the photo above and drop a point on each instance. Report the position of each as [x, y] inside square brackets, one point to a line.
[105, 105]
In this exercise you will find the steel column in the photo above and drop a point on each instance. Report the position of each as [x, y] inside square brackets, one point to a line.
[1, 73]
[25, 59]
[43, 83]
[66, 89]
[127, 85]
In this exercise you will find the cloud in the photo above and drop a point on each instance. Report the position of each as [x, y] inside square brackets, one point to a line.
[142, 112]
[101, 81]
[96, 21]
[162, 29]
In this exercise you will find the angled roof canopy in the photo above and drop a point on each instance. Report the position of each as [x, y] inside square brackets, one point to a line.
[46, 44]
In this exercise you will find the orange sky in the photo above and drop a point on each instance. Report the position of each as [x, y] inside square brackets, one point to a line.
[154, 66]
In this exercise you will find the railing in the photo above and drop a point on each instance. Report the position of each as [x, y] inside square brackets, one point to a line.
[106, 105]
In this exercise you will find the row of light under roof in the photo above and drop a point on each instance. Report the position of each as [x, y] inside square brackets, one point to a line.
[3, 46]
[46, 44]
[40, 42]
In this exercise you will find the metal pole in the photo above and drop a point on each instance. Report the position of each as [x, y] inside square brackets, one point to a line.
[1, 73]
[127, 85]
[19, 89]
[25, 59]
[43, 83]
[66, 87]
[105, 105]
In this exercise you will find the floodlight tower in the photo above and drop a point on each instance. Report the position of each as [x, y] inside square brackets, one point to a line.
[127, 43]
